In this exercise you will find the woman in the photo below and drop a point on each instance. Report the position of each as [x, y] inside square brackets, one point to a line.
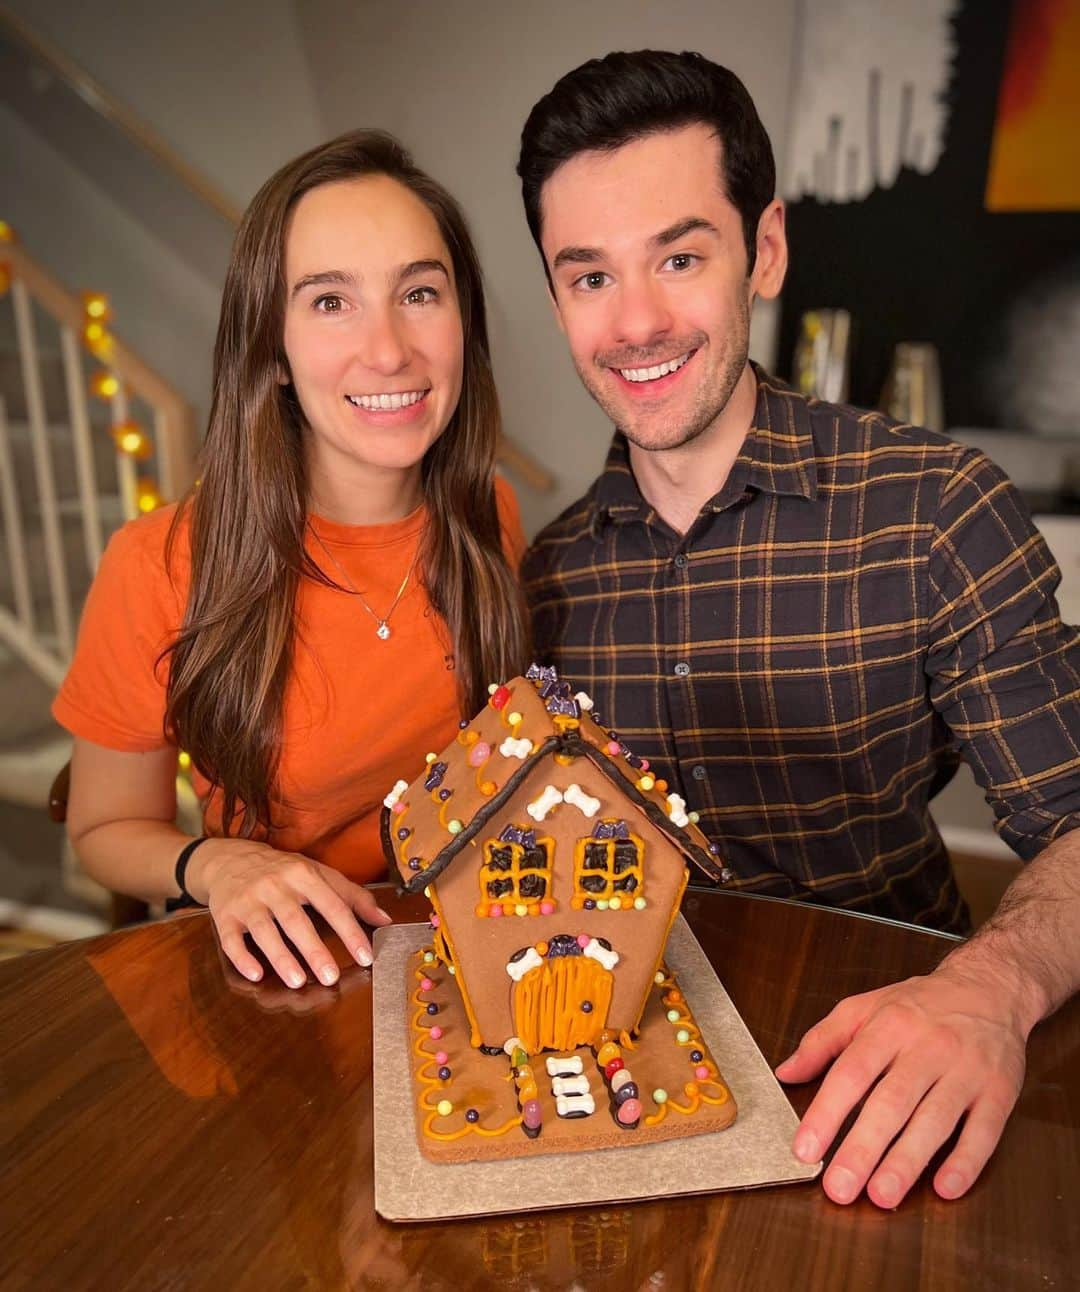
[337, 591]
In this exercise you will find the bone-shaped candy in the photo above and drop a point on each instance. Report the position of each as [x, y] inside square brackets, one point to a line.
[511, 748]
[570, 1085]
[399, 788]
[563, 1067]
[539, 808]
[517, 969]
[678, 810]
[584, 700]
[574, 1105]
[609, 959]
[586, 803]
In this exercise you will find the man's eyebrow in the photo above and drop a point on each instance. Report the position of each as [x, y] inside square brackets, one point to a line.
[692, 224]
[326, 276]
[577, 256]
[420, 267]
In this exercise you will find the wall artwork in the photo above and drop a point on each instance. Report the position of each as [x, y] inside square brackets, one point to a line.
[933, 188]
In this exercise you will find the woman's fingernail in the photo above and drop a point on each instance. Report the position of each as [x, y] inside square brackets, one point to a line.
[385, 914]
[328, 974]
[296, 978]
[363, 956]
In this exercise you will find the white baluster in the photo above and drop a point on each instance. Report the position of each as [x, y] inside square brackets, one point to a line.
[93, 533]
[13, 530]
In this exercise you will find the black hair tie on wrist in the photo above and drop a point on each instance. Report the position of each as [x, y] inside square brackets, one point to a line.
[185, 899]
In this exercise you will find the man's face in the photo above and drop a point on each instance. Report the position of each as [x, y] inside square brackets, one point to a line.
[649, 267]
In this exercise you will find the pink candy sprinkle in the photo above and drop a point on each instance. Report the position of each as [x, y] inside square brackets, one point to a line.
[613, 747]
[434, 921]
[441, 1057]
[496, 909]
[583, 940]
[426, 984]
[546, 908]
[399, 808]
[644, 764]
[435, 1032]
[701, 1072]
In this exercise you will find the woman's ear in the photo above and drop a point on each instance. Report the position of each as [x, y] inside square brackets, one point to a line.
[281, 375]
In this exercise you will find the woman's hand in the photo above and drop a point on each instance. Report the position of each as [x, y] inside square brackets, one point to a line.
[252, 888]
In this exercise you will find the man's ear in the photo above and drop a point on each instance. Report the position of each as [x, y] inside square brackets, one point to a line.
[555, 307]
[770, 263]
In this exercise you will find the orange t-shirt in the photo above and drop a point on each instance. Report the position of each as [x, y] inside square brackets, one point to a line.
[359, 713]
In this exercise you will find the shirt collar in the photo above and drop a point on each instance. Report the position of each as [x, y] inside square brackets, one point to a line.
[777, 456]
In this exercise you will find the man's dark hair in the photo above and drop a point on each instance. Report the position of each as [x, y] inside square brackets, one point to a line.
[610, 101]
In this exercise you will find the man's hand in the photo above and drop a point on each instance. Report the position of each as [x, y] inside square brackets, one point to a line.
[942, 1048]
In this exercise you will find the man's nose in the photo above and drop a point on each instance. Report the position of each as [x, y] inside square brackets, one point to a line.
[642, 315]
[383, 345]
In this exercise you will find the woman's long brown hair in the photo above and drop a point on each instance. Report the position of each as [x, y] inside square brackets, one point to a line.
[231, 660]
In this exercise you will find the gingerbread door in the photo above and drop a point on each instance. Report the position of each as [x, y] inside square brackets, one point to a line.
[562, 992]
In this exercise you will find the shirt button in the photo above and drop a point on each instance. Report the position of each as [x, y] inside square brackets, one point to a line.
[682, 670]
[698, 772]
[682, 561]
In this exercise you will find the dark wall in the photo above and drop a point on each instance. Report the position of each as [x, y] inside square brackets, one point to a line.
[924, 261]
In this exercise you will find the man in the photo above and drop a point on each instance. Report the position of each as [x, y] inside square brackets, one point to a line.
[802, 613]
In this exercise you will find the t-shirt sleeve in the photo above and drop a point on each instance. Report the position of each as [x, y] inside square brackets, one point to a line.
[513, 536]
[1004, 670]
[114, 691]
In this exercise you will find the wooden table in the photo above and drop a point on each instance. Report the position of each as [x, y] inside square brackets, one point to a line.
[168, 1126]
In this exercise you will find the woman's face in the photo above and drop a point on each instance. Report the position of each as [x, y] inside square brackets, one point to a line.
[373, 332]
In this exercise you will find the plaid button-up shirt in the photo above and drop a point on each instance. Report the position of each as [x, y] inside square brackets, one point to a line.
[861, 604]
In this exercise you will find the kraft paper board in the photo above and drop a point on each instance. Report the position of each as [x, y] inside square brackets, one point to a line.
[754, 1151]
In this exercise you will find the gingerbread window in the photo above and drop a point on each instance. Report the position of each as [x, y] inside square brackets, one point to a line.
[608, 869]
[516, 873]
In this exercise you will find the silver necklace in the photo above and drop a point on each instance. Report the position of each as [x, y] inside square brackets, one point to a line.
[382, 622]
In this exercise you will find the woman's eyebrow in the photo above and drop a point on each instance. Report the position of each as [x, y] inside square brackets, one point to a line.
[339, 276]
[419, 267]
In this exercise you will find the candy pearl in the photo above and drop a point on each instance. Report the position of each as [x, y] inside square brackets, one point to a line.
[644, 764]
[441, 1057]
[471, 1115]
[428, 957]
[451, 970]
[444, 1074]
[601, 903]
[639, 903]
[673, 1016]
[531, 1113]
[658, 977]
[611, 1068]
[694, 817]
[701, 1072]
[398, 809]
[541, 948]
[659, 1096]
[430, 758]
[586, 1006]
[455, 826]
[414, 863]
[479, 754]
[434, 920]
[607, 1052]
[696, 1056]
[435, 1032]
[629, 1112]
[521, 909]
[444, 794]
[682, 1036]
[590, 905]
[433, 1008]
[620, 1079]
[612, 747]
[487, 788]
[513, 718]
[583, 940]
[547, 908]
[646, 783]
[496, 910]
[444, 1108]
[403, 833]
[426, 984]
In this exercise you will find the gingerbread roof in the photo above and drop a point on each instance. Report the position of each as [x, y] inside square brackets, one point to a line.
[528, 723]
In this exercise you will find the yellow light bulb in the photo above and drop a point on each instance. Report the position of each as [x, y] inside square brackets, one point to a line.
[96, 305]
[7, 233]
[5, 278]
[131, 439]
[147, 498]
[104, 384]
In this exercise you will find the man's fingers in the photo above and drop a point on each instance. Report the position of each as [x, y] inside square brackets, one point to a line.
[977, 1141]
[825, 1040]
[266, 936]
[850, 1077]
[885, 1113]
[300, 931]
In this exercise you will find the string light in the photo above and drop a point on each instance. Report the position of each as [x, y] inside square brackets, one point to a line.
[96, 306]
[7, 234]
[147, 496]
[132, 440]
[104, 384]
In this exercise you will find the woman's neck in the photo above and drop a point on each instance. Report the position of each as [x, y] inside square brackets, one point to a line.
[375, 497]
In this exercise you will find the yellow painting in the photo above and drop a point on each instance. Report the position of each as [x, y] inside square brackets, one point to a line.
[1035, 154]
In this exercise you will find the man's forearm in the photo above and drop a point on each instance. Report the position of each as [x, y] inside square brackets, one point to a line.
[1031, 944]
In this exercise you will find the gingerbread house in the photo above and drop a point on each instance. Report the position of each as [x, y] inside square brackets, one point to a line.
[554, 860]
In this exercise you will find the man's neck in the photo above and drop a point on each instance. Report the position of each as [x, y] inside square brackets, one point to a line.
[679, 482]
